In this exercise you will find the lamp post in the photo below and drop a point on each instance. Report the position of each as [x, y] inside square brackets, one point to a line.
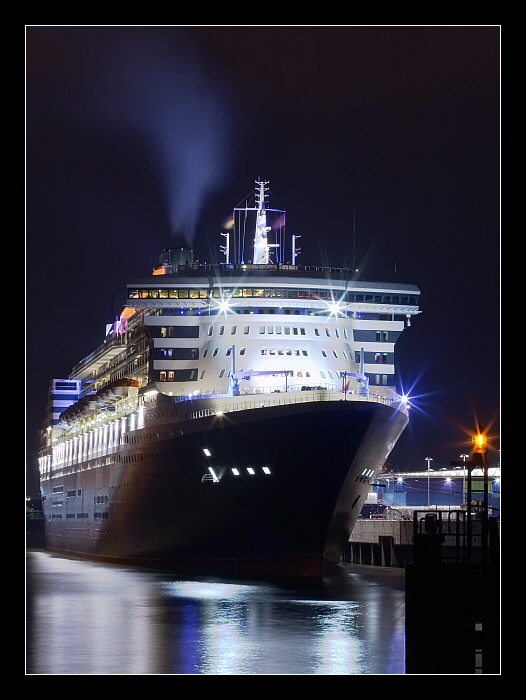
[480, 442]
[428, 459]
[464, 457]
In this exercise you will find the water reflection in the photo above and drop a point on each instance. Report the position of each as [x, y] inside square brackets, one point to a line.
[86, 618]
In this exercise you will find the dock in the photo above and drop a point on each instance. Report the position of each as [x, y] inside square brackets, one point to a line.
[389, 541]
[451, 559]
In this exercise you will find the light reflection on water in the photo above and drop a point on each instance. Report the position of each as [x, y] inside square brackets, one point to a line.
[87, 618]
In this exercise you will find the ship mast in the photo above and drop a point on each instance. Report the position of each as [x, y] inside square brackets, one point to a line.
[261, 247]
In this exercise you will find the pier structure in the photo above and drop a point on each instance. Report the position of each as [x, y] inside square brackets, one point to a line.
[457, 633]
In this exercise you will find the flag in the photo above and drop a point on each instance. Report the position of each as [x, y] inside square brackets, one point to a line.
[279, 222]
[119, 327]
[229, 222]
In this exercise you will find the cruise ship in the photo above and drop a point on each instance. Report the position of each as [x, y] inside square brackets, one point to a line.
[234, 415]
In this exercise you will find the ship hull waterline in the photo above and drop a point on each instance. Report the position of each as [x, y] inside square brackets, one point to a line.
[160, 502]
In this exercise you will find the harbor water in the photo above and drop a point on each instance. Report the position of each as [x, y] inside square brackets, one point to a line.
[90, 618]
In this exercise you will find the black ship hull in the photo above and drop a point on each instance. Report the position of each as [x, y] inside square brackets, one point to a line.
[161, 502]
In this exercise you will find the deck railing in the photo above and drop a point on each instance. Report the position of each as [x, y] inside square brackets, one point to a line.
[263, 400]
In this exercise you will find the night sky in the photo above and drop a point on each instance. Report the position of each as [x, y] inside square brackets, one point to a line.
[138, 137]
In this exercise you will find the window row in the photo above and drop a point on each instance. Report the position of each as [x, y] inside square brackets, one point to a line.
[272, 293]
[270, 330]
[180, 331]
[193, 353]
[179, 353]
[171, 375]
[185, 332]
